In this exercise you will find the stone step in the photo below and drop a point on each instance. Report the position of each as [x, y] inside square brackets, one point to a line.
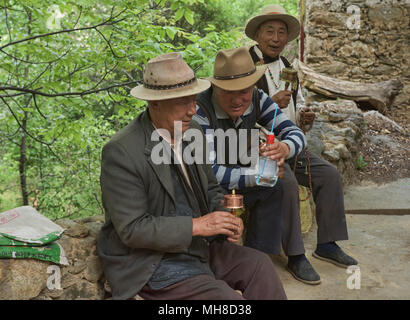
[389, 198]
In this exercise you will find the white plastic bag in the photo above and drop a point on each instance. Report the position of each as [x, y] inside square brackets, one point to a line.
[26, 224]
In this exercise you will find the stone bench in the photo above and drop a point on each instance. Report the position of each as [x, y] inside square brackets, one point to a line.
[83, 278]
[23, 279]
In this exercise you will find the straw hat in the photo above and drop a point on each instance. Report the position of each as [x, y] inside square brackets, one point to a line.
[168, 76]
[273, 12]
[234, 69]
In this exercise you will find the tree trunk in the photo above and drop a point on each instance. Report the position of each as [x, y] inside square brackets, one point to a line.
[23, 161]
[379, 96]
[23, 144]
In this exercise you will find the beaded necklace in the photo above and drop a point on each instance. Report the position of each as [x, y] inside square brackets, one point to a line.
[277, 85]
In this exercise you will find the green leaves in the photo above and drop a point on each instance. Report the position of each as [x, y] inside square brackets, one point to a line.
[361, 164]
[179, 14]
[186, 13]
[182, 10]
[65, 133]
[171, 32]
[189, 16]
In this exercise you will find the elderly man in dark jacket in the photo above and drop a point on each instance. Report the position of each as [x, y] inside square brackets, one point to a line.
[167, 234]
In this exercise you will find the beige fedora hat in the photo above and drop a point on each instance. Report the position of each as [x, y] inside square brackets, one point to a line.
[234, 69]
[273, 12]
[168, 76]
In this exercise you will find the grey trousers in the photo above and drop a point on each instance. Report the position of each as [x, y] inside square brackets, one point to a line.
[327, 195]
[235, 268]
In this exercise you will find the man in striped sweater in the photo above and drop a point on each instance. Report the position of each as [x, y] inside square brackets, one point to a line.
[232, 103]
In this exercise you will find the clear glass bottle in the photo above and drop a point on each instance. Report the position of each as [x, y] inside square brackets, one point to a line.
[267, 169]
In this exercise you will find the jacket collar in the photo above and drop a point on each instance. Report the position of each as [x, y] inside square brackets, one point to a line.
[264, 59]
[162, 171]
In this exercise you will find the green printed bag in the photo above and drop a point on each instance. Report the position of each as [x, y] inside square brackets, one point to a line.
[4, 241]
[51, 252]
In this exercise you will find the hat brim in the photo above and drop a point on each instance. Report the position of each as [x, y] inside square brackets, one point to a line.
[140, 92]
[239, 83]
[292, 23]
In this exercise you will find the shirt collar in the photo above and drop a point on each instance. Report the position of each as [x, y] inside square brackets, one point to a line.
[177, 142]
[266, 59]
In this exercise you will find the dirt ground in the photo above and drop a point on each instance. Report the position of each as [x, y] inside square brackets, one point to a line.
[385, 151]
[380, 243]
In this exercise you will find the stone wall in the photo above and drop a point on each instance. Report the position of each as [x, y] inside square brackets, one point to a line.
[377, 50]
[336, 134]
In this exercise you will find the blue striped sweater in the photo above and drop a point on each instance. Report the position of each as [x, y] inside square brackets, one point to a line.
[284, 129]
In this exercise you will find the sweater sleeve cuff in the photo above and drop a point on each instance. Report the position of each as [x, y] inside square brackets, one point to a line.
[250, 178]
[291, 148]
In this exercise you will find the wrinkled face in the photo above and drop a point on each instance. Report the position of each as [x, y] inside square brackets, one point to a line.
[272, 37]
[165, 113]
[234, 103]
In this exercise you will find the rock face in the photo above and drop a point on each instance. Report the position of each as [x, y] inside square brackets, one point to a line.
[22, 279]
[364, 41]
[336, 134]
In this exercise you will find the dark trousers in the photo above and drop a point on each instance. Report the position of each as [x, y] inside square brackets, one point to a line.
[328, 198]
[235, 268]
[263, 231]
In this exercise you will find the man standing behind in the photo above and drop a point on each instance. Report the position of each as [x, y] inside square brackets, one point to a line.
[162, 217]
[272, 30]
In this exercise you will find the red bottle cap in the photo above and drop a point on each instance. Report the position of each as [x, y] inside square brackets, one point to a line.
[270, 139]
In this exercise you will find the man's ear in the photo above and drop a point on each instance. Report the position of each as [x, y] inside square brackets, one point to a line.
[257, 34]
[153, 105]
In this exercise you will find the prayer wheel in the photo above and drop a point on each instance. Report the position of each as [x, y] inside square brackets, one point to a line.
[289, 75]
[234, 202]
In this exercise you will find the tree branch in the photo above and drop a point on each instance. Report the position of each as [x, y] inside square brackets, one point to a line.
[7, 23]
[32, 62]
[109, 45]
[79, 16]
[62, 94]
[39, 76]
[37, 108]
[48, 145]
[110, 21]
